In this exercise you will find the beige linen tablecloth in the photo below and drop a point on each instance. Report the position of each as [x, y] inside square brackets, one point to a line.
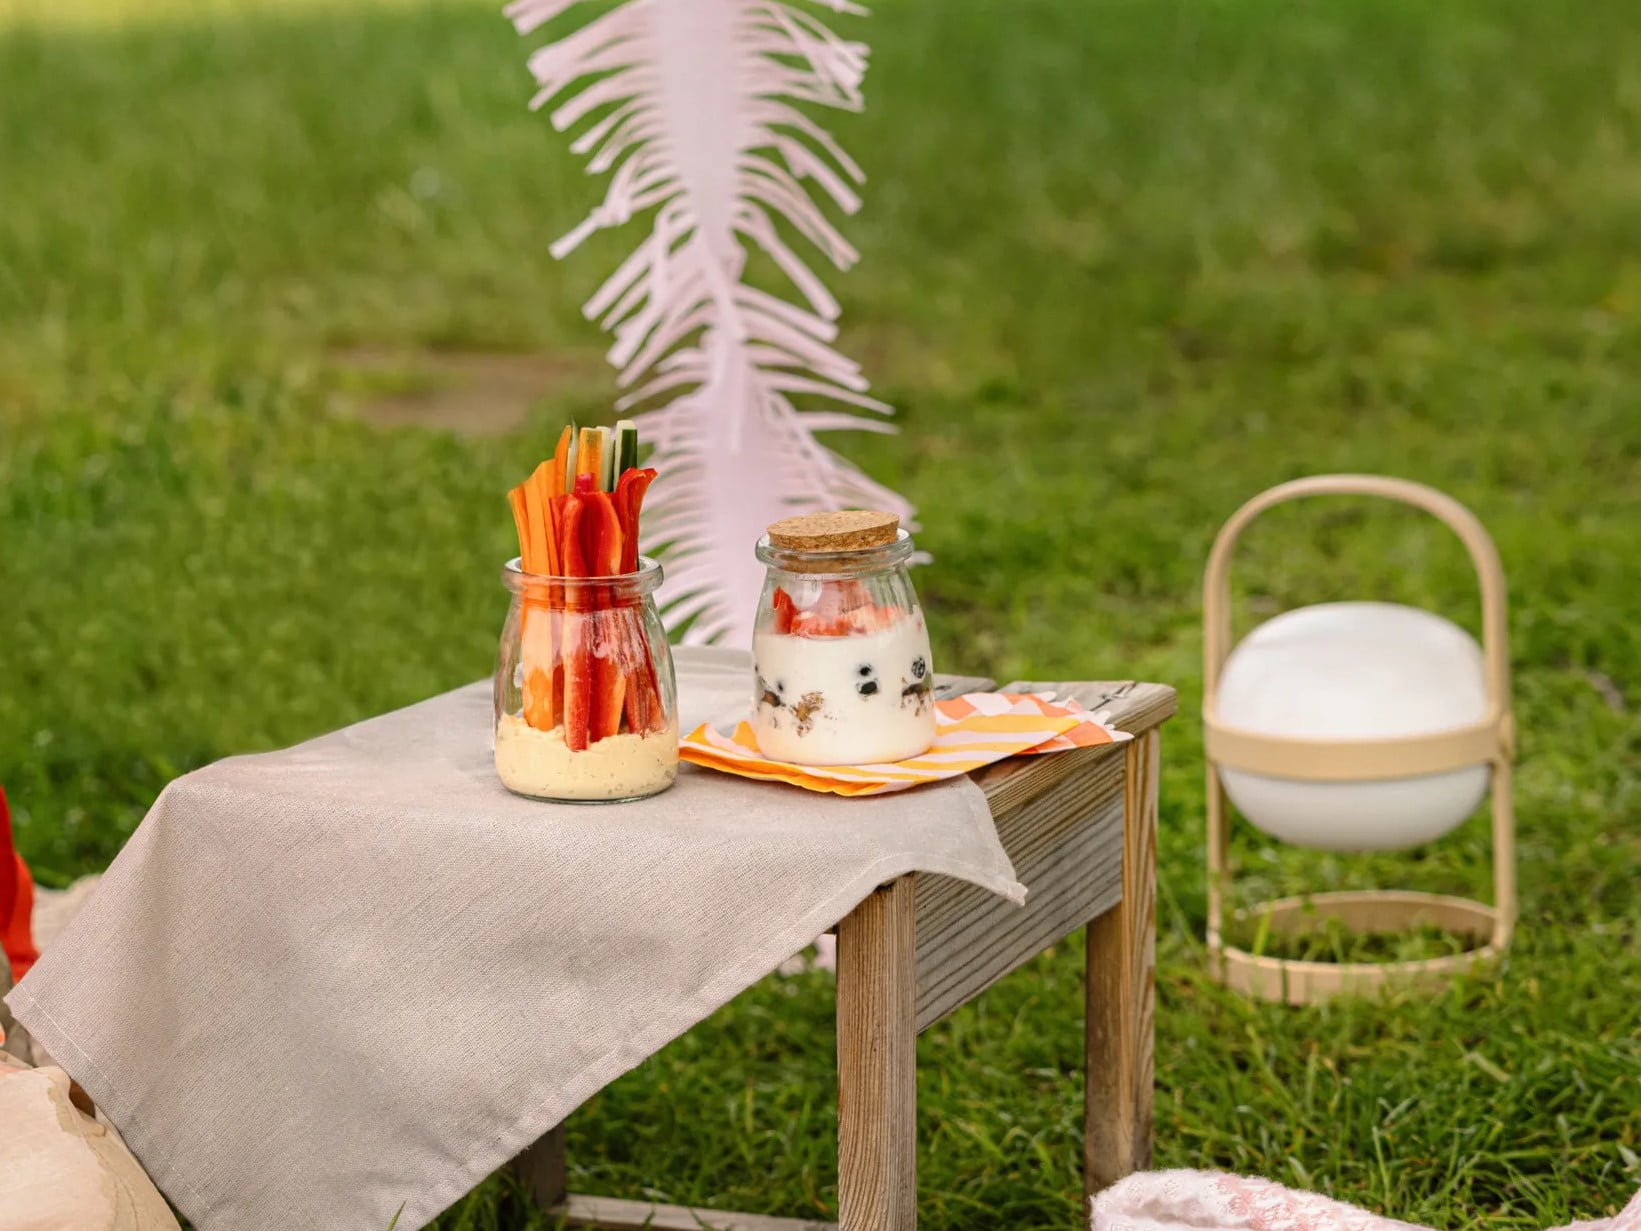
[324, 983]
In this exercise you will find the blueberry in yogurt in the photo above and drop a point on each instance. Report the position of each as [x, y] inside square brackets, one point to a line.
[773, 696]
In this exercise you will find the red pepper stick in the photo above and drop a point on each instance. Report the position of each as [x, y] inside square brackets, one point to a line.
[577, 650]
[558, 510]
[629, 500]
[601, 550]
[628, 497]
[643, 694]
[580, 664]
[610, 675]
[626, 624]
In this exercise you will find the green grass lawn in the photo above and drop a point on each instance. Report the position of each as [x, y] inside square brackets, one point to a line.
[1124, 265]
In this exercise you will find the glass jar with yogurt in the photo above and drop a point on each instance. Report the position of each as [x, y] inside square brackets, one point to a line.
[840, 648]
[585, 697]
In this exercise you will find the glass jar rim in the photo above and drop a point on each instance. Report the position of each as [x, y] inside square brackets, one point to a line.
[825, 564]
[643, 581]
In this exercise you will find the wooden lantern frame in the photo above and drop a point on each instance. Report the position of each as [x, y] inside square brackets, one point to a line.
[1490, 741]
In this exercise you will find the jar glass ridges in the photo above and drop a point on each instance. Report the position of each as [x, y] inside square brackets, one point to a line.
[585, 697]
[841, 650]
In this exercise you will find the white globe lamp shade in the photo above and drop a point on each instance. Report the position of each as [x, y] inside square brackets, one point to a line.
[1355, 671]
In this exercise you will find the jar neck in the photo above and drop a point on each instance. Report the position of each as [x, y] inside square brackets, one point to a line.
[837, 564]
[622, 590]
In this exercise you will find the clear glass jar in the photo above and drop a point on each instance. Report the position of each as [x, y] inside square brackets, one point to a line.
[841, 651]
[586, 699]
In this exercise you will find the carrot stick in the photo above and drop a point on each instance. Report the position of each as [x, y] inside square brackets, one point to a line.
[521, 523]
[536, 653]
[535, 554]
[557, 509]
[546, 614]
[538, 687]
[561, 460]
[541, 524]
[536, 632]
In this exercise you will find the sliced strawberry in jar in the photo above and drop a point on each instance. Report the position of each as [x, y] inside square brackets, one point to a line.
[832, 614]
[840, 599]
[786, 611]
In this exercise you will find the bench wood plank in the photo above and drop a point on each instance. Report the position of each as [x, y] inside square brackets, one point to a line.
[616, 1215]
[1121, 992]
[877, 1062]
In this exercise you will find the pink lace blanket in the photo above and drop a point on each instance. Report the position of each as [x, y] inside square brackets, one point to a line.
[1211, 1201]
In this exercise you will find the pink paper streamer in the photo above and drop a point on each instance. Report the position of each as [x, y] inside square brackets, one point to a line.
[688, 107]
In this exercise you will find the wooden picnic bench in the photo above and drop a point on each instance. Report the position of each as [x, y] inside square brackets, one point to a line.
[1081, 830]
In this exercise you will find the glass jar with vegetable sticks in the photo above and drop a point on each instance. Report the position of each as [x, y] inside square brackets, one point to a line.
[585, 697]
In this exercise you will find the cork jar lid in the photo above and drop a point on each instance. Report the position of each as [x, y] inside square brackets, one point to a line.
[851, 530]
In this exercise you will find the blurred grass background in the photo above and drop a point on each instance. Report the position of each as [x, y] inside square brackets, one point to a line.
[1124, 265]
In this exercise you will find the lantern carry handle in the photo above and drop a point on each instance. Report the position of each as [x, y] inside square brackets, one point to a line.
[1491, 741]
[1483, 556]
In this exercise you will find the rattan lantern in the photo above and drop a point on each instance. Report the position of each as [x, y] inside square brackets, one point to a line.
[1357, 726]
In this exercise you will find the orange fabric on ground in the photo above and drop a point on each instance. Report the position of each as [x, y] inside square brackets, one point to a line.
[16, 900]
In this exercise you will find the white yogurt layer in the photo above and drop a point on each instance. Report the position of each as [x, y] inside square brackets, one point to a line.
[540, 763]
[845, 700]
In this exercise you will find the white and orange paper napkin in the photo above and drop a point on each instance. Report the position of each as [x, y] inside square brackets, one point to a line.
[973, 730]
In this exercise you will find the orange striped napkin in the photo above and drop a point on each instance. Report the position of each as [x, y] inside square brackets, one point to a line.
[975, 729]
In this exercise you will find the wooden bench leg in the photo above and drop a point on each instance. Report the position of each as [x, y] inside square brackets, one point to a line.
[541, 1169]
[1121, 991]
[877, 1063]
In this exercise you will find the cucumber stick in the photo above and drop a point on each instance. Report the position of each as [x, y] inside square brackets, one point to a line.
[626, 447]
[606, 458]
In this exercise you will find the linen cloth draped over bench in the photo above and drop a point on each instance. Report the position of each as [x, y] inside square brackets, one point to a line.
[324, 983]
